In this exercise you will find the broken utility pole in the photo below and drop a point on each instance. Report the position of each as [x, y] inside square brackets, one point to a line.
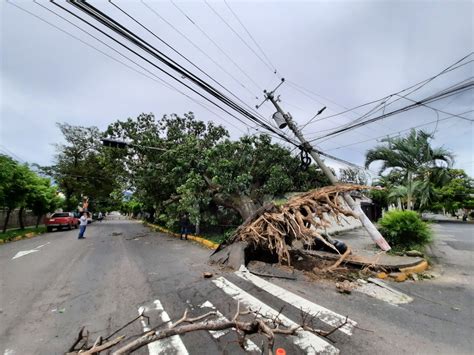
[368, 225]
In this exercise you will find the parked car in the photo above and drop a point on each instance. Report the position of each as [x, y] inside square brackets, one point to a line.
[61, 220]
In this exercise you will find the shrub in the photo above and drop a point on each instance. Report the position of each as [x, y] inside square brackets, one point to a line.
[405, 230]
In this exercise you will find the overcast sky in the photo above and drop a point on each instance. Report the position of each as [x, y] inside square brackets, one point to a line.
[346, 53]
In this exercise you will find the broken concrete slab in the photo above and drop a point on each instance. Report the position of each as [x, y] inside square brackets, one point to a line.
[271, 270]
[362, 258]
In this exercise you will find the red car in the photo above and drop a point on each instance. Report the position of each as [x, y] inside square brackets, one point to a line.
[62, 220]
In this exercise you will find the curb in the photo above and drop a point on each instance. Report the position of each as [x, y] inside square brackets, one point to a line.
[20, 237]
[198, 239]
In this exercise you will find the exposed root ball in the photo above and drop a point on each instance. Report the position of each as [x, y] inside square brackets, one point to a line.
[275, 227]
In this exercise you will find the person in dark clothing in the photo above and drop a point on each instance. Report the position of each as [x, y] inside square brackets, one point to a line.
[184, 222]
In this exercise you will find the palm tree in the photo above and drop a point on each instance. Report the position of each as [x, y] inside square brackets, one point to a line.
[411, 155]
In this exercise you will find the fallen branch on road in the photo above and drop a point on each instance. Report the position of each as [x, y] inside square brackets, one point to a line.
[255, 323]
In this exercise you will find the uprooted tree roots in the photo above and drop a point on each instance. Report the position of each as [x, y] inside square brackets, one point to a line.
[274, 228]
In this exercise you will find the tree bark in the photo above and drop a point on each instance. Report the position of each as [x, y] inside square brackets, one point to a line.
[38, 218]
[409, 190]
[7, 218]
[20, 218]
[242, 204]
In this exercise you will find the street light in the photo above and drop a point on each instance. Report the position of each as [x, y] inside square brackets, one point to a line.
[106, 142]
[113, 143]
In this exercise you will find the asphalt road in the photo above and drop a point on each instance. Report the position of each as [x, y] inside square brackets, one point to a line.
[102, 282]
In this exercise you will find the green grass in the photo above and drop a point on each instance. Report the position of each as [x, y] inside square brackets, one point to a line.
[13, 233]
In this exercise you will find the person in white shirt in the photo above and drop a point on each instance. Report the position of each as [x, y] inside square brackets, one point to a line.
[82, 225]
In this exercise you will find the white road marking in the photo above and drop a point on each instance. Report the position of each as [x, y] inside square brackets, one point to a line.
[171, 345]
[9, 352]
[23, 253]
[216, 334]
[307, 341]
[326, 315]
[42, 245]
[26, 252]
[153, 348]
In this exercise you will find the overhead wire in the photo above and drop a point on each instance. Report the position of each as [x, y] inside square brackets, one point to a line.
[398, 131]
[143, 45]
[154, 78]
[135, 42]
[197, 47]
[384, 106]
[450, 68]
[441, 95]
[216, 45]
[176, 51]
[251, 37]
[239, 36]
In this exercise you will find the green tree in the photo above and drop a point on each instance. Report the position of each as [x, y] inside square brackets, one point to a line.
[42, 198]
[201, 169]
[414, 157]
[83, 167]
[15, 183]
[457, 193]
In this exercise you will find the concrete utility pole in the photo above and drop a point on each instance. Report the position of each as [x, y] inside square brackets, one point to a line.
[368, 225]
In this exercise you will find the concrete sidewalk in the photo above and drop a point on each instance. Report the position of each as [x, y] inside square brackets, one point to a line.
[366, 252]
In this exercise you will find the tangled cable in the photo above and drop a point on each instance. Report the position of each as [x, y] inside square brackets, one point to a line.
[305, 159]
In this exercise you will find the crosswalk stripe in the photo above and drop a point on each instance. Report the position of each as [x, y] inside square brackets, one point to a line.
[249, 344]
[326, 315]
[171, 345]
[309, 342]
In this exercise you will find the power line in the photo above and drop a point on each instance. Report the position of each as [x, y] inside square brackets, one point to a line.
[175, 51]
[217, 46]
[10, 153]
[239, 36]
[155, 79]
[436, 109]
[251, 37]
[198, 48]
[403, 109]
[403, 130]
[384, 103]
[145, 46]
[452, 67]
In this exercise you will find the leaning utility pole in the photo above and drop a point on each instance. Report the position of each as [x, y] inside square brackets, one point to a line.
[368, 225]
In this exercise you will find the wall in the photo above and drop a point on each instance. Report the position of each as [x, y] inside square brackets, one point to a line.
[14, 222]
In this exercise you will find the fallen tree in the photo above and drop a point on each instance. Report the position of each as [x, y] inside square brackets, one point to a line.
[273, 228]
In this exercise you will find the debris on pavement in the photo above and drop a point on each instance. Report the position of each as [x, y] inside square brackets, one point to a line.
[207, 275]
[345, 287]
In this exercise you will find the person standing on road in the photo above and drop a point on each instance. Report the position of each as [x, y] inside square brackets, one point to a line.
[82, 225]
[100, 217]
[184, 222]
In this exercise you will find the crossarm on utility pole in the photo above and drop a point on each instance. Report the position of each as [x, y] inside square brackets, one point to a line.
[366, 222]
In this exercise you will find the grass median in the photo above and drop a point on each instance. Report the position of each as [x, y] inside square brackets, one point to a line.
[16, 234]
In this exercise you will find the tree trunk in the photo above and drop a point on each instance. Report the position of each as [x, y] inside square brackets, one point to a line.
[38, 218]
[409, 190]
[242, 204]
[20, 218]
[7, 218]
